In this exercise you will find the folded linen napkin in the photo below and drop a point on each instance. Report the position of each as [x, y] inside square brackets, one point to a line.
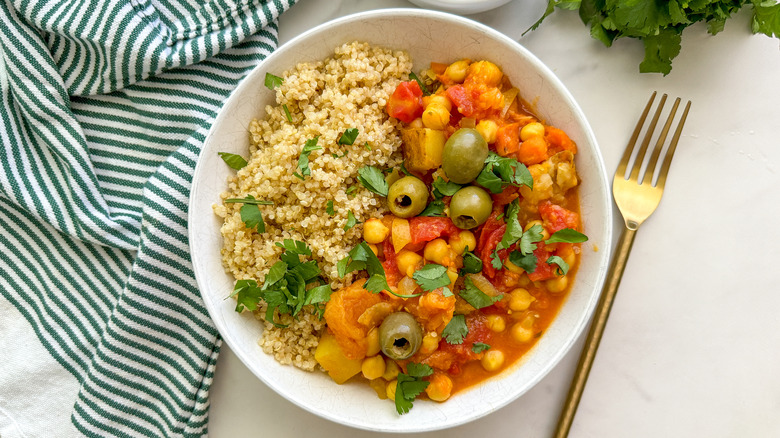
[104, 108]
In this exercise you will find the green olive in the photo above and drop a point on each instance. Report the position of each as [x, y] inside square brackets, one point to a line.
[464, 155]
[400, 336]
[470, 206]
[407, 197]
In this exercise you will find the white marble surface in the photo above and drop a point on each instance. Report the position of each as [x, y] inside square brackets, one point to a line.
[692, 348]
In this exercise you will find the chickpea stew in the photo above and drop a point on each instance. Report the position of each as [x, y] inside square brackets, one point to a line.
[466, 262]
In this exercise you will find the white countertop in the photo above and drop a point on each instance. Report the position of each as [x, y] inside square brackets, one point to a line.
[692, 347]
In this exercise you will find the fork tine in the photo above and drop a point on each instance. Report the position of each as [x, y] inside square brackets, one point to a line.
[623, 165]
[672, 147]
[640, 156]
[659, 145]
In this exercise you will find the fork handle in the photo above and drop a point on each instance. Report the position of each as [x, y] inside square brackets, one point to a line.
[600, 316]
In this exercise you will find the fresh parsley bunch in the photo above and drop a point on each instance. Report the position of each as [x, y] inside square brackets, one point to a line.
[660, 23]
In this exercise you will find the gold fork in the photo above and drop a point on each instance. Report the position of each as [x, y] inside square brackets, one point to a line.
[637, 198]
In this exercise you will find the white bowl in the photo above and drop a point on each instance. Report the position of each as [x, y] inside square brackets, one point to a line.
[427, 36]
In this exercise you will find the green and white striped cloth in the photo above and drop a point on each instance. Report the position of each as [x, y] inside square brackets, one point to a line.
[105, 106]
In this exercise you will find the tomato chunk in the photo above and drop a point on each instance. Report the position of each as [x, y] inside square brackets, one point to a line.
[557, 218]
[462, 99]
[427, 228]
[405, 104]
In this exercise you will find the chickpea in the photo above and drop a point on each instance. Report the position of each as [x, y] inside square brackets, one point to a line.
[463, 241]
[485, 72]
[557, 284]
[440, 387]
[416, 123]
[391, 370]
[492, 360]
[520, 299]
[373, 367]
[437, 251]
[408, 261]
[488, 129]
[372, 341]
[391, 386]
[374, 231]
[457, 71]
[430, 343]
[436, 116]
[437, 99]
[522, 331]
[496, 323]
[534, 129]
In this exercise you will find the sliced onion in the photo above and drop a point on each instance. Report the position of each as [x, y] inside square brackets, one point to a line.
[407, 286]
[509, 97]
[484, 284]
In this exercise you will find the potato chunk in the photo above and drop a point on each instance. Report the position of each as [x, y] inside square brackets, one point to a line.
[423, 148]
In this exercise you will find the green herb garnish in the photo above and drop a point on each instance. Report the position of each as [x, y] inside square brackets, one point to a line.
[351, 221]
[420, 83]
[431, 277]
[329, 208]
[434, 208]
[500, 172]
[250, 211]
[562, 268]
[567, 235]
[526, 262]
[348, 137]
[472, 264]
[410, 385]
[476, 297]
[272, 81]
[362, 258]
[443, 188]
[455, 330]
[303, 160]
[236, 162]
[287, 113]
[479, 347]
[373, 179]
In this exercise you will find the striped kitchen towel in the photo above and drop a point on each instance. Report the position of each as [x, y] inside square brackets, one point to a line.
[105, 105]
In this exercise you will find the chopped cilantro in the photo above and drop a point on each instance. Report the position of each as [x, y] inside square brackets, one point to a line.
[329, 208]
[348, 137]
[514, 231]
[434, 208]
[431, 276]
[495, 260]
[479, 347]
[287, 113]
[249, 199]
[303, 160]
[236, 162]
[476, 297]
[500, 172]
[362, 258]
[409, 386]
[443, 188]
[351, 191]
[373, 179]
[367, 146]
[420, 83]
[351, 221]
[455, 330]
[567, 235]
[272, 81]
[471, 263]
[562, 268]
[525, 261]
[250, 211]
[530, 238]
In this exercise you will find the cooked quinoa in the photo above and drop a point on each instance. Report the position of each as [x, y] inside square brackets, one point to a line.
[324, 99]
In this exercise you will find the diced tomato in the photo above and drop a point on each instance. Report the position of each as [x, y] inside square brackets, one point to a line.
[486, 252]
[427, 228]
[508, 139]
[543, 270]
[490, 225]
[558, 140]
[506, 196]
[462, 99]
[405, 104]
[391, 267]
[478, 332]
[557, 218]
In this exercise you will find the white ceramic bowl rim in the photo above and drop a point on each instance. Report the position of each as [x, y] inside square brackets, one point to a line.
[438, 416]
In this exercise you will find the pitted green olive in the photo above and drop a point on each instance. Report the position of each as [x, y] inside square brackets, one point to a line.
[400, 336]
[470, 206]
[464, 155]
[407, 197]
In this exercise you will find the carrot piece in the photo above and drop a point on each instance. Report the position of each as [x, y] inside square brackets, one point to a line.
[532, 151]
[558, 140]
[508, 139]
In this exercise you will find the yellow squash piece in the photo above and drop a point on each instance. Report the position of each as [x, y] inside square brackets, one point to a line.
[423, 148]
[329, 355]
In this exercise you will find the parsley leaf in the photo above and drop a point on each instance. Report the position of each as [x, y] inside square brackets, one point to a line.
[455, 330]
[530, 238]
[495, 260]
[514, 231]
[272, 81]
[500, 172]
[479, 347]
[250, 211]
[236, 162]
[329, 208]
[434, 208]
[409, 386]
[351, 221]
[348, 137]
[472, 264]
[562, 268]
[476, 297]
[373, 179]
[362, 258]
[303, 160]
[248, 295]
[567, 235]
[431, 277]
[443, 188]
[295, 247]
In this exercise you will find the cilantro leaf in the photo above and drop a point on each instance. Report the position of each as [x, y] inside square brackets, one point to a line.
[500, 172]
[247, 294]
[434, 208]
[351, 221]
[303, 160]
[236, 162]
[348, 137]
[272, 81]
[472, 264]
[362, 258]
[514, 231]
[443, 188]
[419, 369]
[530, 238]
[373, 179]
[563, 267]
[252, 217]
[455, 330]
[567, 235]
[495, 260]
[329, 208]
[406, 390]
[527, 262]
[479, 347]
[295, 247]
[431, 277]
[476, 297]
